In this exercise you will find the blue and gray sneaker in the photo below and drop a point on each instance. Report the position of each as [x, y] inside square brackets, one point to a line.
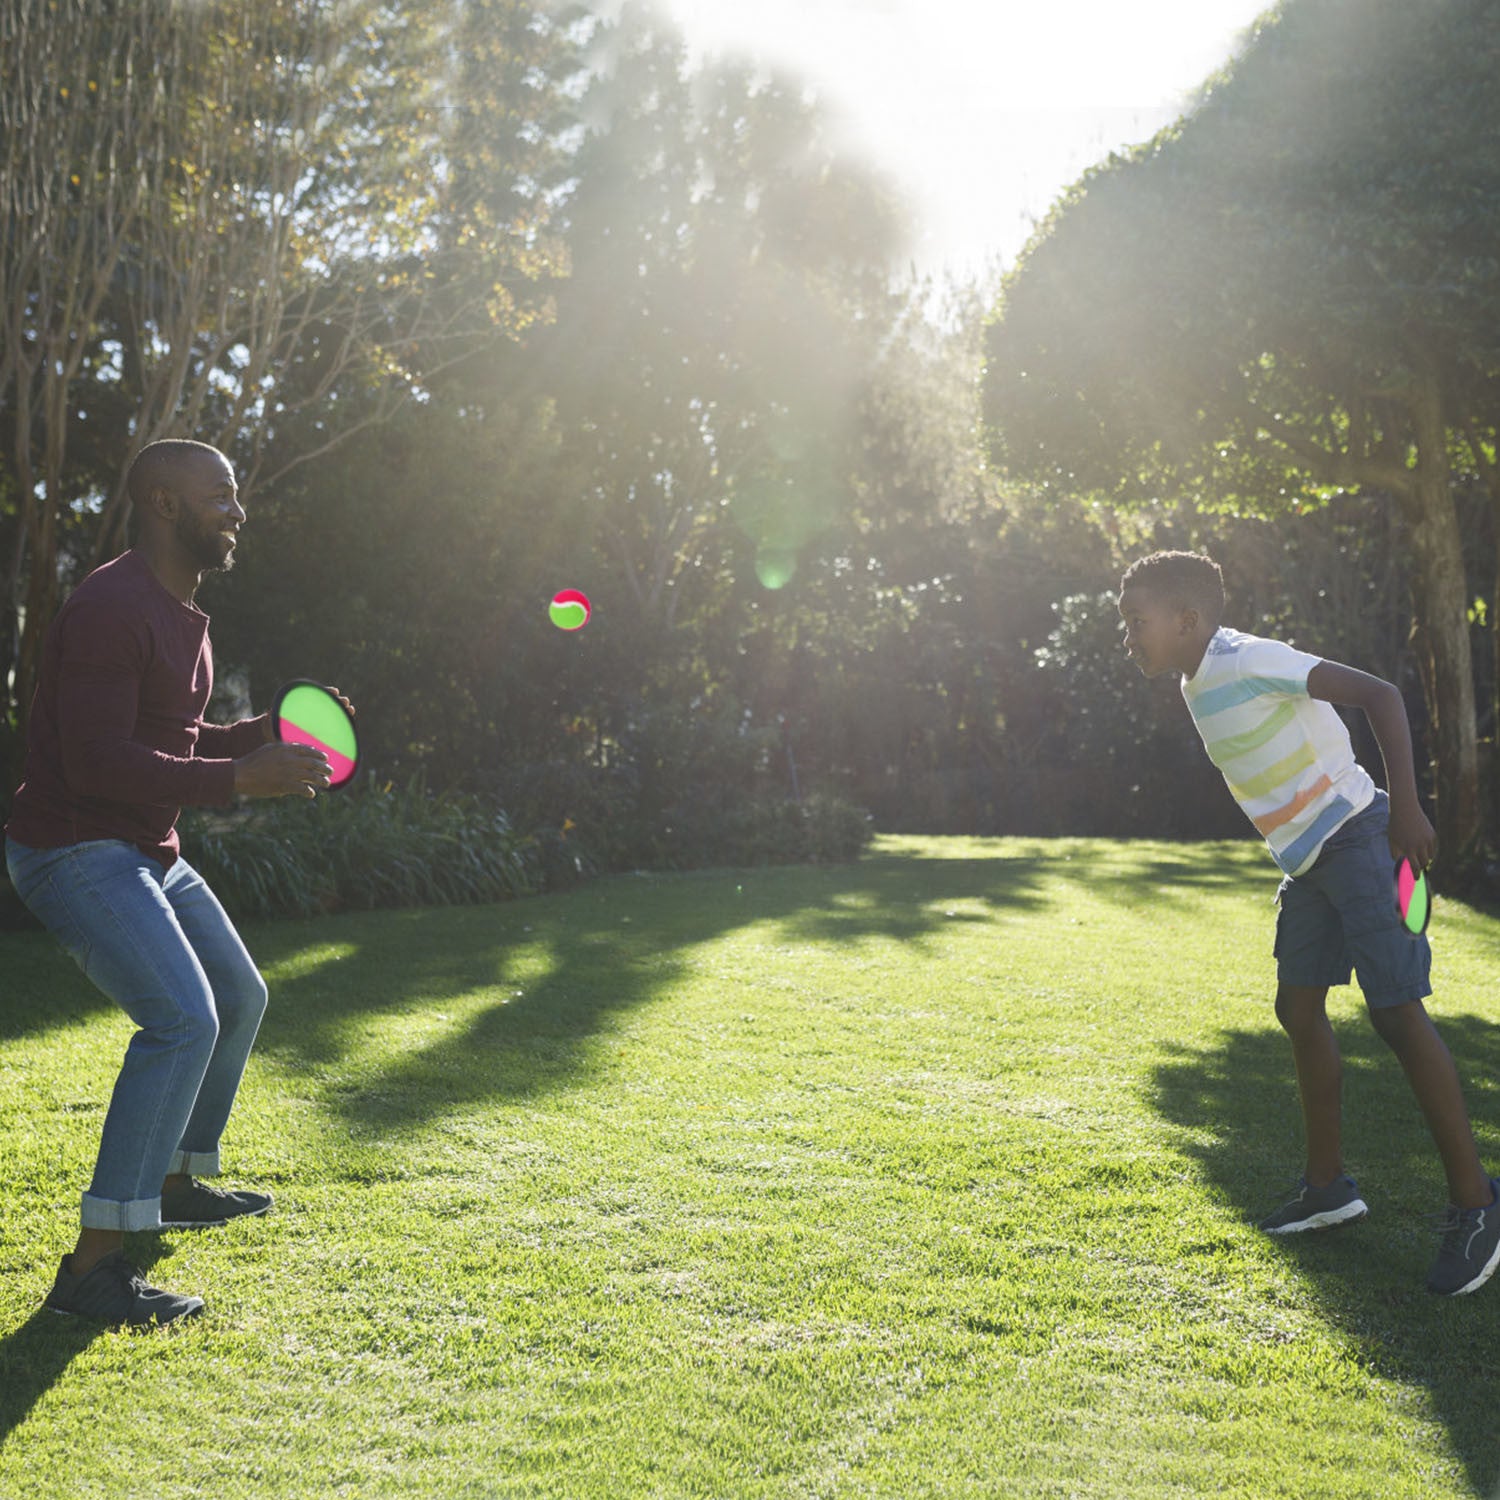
[1470, 1250]
[1318, 1208]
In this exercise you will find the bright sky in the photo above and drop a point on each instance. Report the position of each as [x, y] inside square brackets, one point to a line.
[983, 110]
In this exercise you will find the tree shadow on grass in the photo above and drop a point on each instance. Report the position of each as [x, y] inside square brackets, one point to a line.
[603, 949]
[1236, 1105]
[1138, 876]
[606, 948]
[41, 987]
[35, 1356]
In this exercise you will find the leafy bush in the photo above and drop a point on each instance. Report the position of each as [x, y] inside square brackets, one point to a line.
[362, 849]
[759, 831]
[681, 790]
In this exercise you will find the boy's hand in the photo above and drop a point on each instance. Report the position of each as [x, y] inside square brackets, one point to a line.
[1411, 836]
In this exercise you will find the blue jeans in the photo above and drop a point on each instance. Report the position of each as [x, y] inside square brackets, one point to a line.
[158, 943]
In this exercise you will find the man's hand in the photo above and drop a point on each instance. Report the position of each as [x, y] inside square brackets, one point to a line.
[278, 770]
[1411, 836]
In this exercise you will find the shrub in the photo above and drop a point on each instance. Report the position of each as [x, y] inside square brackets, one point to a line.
[680, 790]
[360, 849]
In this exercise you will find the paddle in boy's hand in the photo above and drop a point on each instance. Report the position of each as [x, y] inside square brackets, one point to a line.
[1412, 899]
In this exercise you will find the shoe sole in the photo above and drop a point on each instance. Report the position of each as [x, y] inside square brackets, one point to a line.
[249, 1213]
[1329, 1218]
[196, 1310]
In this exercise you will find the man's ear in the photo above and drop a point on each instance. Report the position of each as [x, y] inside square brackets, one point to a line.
[1187, 621]
[162, 502]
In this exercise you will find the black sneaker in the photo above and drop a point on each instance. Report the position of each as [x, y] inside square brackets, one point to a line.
[200, 1206]
[1470, 1250]
[114, 1292]
[1318, 1208]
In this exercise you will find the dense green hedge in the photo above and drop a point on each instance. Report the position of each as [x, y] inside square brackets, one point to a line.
[359, 849]
[382, 847]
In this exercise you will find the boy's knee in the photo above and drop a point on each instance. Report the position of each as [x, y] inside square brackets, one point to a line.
[1396, 1024]
[1298, 1007]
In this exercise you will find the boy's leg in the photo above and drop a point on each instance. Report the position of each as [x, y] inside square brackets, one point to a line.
[1408, 1031]
[1469, 1251]
[1303, 1014]
[1327, 1197]
[1394, 971]
[1310, 958]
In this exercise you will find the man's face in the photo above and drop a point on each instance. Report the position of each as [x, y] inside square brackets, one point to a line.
[209, 513]
[1157, 636]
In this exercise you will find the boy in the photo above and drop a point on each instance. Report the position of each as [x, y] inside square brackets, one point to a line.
[1263, 710]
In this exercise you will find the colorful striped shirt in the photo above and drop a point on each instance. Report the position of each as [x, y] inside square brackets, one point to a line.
[1287, 757]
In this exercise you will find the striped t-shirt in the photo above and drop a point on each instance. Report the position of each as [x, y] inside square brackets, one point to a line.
[1287, 757]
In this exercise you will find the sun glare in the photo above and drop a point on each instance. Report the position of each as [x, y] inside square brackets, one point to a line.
[983, 110]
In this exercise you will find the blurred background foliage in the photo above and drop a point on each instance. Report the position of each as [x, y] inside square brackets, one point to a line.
[559, 307]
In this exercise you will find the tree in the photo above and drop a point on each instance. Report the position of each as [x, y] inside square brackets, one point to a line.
[218, 218]
[745, 443]
[1291, 294]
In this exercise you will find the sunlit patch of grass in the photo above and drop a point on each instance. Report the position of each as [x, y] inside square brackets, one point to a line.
[932, 1175]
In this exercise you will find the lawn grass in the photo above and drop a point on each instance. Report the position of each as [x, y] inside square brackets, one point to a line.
[932, 1175]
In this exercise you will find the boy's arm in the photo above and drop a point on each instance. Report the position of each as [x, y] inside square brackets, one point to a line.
[1410, 833]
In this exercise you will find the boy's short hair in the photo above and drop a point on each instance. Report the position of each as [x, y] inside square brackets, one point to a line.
[1185, 580]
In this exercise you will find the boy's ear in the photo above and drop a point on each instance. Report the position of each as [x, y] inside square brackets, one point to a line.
[1187, 621]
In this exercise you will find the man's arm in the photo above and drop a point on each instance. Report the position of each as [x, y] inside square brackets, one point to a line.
[231, 741]
[97, 701]
[98, 696]
[1410, 833]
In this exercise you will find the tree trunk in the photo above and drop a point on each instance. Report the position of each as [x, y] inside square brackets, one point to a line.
[1442, 608]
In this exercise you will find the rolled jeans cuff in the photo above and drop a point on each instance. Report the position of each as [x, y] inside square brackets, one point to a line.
[195, 1163]
[106, 1213]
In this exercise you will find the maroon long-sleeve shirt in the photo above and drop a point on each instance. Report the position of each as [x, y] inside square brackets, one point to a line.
[117, 746]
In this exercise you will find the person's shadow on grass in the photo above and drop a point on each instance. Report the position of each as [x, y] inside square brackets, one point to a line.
[1236, 1103]
[35, 1356]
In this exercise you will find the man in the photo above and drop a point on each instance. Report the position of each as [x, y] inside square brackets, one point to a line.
[117, 746]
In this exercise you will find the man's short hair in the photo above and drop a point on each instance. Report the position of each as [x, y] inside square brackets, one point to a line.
[154, 464]
[1184, 580]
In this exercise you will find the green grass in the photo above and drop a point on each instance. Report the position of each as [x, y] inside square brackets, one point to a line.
[932, 1175]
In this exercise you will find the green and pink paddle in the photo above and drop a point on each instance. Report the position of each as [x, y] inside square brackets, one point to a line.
[306, 713]
[1412, 899]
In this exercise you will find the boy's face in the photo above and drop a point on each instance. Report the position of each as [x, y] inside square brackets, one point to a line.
[1158, 637]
